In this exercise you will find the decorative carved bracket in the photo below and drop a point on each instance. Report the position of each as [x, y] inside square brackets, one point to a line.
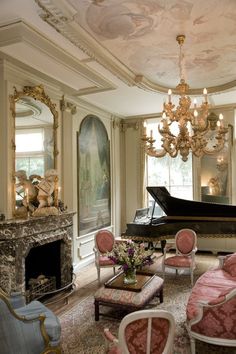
[64, 105]
[123, 126]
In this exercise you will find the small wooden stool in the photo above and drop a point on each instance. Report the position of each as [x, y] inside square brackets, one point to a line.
[127, 299]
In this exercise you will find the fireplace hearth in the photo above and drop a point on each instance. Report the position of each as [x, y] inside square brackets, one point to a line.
[39, 287]
[44, 260]
[36, 247]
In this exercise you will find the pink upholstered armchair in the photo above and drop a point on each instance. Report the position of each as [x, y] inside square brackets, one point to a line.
[104, 242]
[144, 332]
[184, 258]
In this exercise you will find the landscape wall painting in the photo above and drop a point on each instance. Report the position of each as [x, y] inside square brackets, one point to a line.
[93, 148]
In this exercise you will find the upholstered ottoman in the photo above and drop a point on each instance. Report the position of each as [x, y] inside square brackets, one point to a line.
[128, 299]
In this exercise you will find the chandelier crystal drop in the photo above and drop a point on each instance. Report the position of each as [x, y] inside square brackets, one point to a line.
[193, 124]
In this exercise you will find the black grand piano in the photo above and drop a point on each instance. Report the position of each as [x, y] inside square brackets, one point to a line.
[206, 219]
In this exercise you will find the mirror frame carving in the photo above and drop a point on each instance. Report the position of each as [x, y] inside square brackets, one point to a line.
[38, 93]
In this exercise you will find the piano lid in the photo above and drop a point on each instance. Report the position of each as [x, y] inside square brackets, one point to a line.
[181, 207]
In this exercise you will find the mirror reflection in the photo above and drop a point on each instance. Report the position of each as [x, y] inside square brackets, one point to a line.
[35, 122]
[34, 138]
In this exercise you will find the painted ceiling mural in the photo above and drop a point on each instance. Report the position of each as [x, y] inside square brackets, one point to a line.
[141, 34]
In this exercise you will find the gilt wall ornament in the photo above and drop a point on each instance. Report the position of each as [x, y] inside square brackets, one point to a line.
[34, 143]
[39, 195]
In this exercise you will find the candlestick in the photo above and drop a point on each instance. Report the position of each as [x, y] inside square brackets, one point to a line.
[169, 95]
[145, 128]
[56, 192]
[221, 117]
[205, 94]
[27, 196]
[164, 121]
[195, 113]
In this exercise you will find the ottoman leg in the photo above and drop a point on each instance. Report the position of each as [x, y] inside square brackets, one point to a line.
[161, 295]
[96, 305]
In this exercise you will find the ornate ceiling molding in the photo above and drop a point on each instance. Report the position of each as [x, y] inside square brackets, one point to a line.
[148, 85]
[59, 14]
[63, 22]
[22, 33]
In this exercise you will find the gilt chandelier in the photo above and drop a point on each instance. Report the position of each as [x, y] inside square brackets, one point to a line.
[186, 129]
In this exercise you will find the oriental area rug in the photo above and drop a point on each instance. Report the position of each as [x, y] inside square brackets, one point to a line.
[81, 334]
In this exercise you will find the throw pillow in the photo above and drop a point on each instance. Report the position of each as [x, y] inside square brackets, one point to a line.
[221, 297]
[230, 265]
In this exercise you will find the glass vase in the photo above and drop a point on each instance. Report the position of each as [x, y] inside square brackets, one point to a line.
[130, 276]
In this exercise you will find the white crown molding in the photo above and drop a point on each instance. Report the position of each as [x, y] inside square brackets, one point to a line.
[89, 108]
[148, 85]
[20, 74]
[62, 20]
[59, 14]
[21, 32]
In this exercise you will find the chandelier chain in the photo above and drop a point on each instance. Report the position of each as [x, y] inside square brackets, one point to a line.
[181, 63]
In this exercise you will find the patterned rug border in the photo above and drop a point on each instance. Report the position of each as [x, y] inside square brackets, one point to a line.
[81, 334]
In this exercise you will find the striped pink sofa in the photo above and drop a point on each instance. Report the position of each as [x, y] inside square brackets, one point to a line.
[211, 307]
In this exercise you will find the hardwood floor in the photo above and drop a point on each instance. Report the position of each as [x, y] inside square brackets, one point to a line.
[87, 283]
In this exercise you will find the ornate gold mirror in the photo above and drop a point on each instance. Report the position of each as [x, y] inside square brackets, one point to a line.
[34, 141]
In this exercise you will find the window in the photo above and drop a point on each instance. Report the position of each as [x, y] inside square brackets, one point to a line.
[30, 151]
[172, 173]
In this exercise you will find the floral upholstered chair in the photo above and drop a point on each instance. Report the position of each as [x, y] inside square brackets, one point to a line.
[104, 243]
[25, 329]
[144, 332]
[184, 258]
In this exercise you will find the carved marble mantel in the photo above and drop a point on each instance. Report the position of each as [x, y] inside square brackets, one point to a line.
[18, 237]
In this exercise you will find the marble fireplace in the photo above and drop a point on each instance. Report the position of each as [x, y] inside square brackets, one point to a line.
[34, 246]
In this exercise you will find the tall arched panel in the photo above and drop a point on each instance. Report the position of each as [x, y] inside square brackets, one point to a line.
[94, 200]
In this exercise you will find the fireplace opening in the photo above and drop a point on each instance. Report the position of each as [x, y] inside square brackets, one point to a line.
[43, 269]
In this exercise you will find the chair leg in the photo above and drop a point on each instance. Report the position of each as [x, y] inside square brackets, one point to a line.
[192, 345]
[161, 295]
[50, 350]
[163, 271]
[98, 271]
[114, 270]
[96, 307]
[191, 277]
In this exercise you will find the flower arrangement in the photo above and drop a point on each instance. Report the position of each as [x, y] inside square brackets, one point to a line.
[130, 255]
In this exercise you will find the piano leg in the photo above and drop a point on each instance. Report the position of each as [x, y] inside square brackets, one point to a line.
[150, 246]
[163, 244]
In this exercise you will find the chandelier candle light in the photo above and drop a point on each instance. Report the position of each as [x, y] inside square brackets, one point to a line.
[193, 124]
